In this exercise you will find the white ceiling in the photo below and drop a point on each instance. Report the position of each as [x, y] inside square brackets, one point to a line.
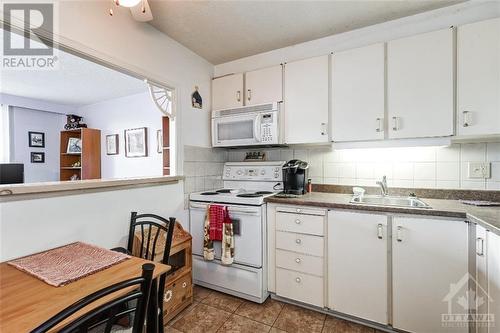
[221, 31]
[75, 82]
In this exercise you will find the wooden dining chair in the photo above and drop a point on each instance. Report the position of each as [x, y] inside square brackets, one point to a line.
[151, 227]
[134, 302]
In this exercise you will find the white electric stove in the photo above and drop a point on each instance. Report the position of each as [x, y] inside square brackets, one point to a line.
[246, 185]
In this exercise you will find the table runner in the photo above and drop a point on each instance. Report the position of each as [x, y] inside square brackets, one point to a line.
[68, 263]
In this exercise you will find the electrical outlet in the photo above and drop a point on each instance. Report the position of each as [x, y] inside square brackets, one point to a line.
[479, 170]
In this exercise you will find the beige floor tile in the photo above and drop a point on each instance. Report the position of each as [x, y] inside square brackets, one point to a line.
[222, 301]
[335, 325]
[266, 312]
[276, 330]
[295, 319]
[200, 293]
[202, 319]
[243, 325]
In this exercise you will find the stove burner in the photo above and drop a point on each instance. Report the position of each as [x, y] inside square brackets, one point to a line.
[249, 195]
[264, 192]
[224, 190]
[209, 193]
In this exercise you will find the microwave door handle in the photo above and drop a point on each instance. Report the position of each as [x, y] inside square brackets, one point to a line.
[256, 128]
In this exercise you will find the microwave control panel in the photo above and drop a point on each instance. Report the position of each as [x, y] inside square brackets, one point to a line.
[268, 128]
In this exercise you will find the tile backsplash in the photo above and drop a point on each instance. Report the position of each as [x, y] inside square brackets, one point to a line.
[410, 167]
[202, 169]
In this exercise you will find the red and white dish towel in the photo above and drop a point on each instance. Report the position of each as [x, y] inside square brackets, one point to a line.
[68, 263]
[218, 227]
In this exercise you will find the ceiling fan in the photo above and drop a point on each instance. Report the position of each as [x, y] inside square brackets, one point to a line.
[139, 8]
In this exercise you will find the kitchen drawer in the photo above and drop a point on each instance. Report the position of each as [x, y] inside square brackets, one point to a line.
[176, 294]
[299, 262]
[302, 223]
[300, 287]
[301, 243]
[301, 210]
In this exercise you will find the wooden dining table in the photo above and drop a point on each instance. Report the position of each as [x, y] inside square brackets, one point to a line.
[26, 302]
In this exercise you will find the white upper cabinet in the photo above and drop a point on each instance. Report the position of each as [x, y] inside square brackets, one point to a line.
[478, 78]
[420, 85]
[306, 100]
[358, 80]
[264, 85]
[357, 264]
[429, 257]
[227, 92]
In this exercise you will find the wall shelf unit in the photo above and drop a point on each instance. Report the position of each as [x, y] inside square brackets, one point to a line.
[89, 157]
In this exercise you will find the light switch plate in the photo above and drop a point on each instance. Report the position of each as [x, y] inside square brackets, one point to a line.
[480, 170]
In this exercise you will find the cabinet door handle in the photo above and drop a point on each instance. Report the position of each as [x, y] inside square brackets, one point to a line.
[399, 234]
[249, 94]
[297, 221]
[323, 129]
[298, 260]
[298, 210]
[380, 231]
[380, 125]
[238, 96]
[395, 123]
[298, 280]
[298, 241]
[480, 246]
[466, 120]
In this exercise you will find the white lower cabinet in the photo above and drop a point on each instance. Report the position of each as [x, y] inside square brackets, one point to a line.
[296, 253]
[493, 278]
[481, 286]
[429, 261]
[357, 265]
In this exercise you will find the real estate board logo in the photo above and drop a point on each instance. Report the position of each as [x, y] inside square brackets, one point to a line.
[467, 305]
[28, 36]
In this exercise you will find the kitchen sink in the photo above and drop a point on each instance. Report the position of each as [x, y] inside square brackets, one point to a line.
[378, 200]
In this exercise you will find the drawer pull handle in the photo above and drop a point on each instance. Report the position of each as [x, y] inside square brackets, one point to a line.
[298, 210]
[168, 296]
[298, 260]
[298, 241]
[184, 285]
[298, 280]
[297, 221]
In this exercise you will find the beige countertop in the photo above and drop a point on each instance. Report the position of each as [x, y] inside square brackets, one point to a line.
[16, 191]
[488, 217]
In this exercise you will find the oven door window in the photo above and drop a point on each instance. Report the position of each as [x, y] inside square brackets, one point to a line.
[236, 130]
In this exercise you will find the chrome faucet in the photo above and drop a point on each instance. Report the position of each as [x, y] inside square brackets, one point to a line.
[383, 186]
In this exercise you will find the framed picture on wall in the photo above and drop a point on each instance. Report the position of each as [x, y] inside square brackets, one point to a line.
[112, 144]
[36, 139]
[159, 141]
[37, 157]
[136, 142]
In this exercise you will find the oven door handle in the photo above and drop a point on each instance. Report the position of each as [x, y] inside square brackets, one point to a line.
[198, 206]
[242, 211]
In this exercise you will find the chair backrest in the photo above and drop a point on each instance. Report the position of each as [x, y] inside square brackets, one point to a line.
[151, 227]
[110, 312]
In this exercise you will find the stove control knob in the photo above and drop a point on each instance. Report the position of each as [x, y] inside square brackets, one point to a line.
[239, 172]
[263, 172]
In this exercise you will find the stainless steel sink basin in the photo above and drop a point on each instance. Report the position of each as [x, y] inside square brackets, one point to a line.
[377, 200]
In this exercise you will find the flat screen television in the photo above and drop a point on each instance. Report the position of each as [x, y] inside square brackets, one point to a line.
[11, 173]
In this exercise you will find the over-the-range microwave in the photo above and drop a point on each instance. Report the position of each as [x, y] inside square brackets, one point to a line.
[257, 125]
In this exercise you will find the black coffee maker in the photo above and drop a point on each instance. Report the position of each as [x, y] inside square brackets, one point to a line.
[295, 175]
